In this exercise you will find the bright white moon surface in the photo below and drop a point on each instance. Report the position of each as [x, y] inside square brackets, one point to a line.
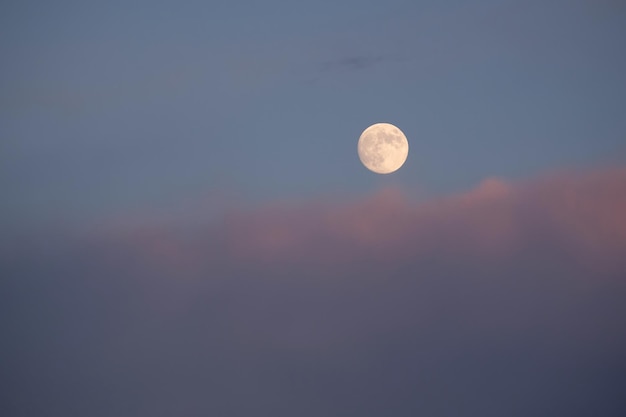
[383, 148]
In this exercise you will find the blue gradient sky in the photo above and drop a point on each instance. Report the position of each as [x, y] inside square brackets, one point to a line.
[186, 228]
[116, 105]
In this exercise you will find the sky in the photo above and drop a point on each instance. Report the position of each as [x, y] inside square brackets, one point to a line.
[186, 228]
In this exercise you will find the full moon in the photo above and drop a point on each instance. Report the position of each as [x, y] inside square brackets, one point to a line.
[383, 148]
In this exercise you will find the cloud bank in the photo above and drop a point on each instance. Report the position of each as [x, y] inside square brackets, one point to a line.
[582, 213]
[509, 299]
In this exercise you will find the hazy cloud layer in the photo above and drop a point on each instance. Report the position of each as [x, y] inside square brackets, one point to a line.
[505, 300]
[583, 213]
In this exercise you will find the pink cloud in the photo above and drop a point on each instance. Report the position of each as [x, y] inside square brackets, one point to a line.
[584, 213]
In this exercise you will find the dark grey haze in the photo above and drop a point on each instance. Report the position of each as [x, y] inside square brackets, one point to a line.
[507, 300]
[93, 333]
